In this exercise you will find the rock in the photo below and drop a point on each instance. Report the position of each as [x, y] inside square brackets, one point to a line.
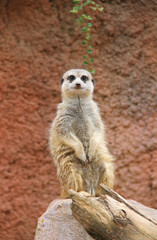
[57, 223]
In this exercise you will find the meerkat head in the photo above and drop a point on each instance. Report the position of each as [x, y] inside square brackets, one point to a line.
[77, 82]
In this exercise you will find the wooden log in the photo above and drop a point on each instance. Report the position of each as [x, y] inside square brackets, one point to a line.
[149, 213]
[111, 217]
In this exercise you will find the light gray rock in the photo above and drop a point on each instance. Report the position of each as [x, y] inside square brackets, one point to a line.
[57, 223]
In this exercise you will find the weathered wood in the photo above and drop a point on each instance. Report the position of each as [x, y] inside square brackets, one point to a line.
[111, 217]
[148, 213]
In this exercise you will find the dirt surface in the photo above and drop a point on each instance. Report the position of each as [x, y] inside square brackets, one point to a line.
[39, 41]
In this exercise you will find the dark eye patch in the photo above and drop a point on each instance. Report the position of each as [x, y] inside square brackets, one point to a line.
[62, 80]
[84, 78]
[71, 78]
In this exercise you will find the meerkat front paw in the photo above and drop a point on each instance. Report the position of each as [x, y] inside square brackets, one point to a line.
[91, 155]
[81, 154]
[91, 152]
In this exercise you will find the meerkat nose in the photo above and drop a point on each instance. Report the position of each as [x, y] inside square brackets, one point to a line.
[77, 85]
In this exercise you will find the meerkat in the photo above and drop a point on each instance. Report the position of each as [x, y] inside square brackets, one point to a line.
[77, 138]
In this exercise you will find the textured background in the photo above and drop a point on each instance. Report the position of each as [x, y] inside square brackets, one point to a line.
[39, 41]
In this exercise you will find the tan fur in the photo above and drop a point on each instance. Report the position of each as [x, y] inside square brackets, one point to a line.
[77, 139]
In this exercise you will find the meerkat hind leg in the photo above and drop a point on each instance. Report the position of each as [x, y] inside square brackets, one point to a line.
[106, 177]
[70, 178]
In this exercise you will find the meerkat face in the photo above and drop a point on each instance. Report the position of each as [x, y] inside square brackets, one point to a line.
[77, 82]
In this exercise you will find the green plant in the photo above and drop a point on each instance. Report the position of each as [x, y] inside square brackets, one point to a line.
[85, 21]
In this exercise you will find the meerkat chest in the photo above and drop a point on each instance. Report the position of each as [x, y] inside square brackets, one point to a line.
[83, 123]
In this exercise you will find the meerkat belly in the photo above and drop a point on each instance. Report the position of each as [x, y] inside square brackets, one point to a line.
[83, 128]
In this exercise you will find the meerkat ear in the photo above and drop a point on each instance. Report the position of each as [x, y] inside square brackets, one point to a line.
[62, 80]
[93, 81]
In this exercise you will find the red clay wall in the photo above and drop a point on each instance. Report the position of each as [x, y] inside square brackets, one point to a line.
[39, 41]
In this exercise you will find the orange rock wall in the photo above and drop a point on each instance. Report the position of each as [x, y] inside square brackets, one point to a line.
[39, 41]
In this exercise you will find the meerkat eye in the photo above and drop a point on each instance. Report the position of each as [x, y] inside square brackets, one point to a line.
[71, 78]
[84, 78]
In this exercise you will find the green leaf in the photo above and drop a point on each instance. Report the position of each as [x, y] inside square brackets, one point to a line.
[76, 9]
[89, 18]
[89, 51]
[86, 17]
[91, 60]
[90, 46]
[85, 63]
[85, 56]
[101, 9]
[79, 7]
[80, 19]
[94, 8]
[92, 71]
[87, 2]
[73, 11]
[84, 42]
[89, 24]
[84, 29]
[88, 36]
[76, 1]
